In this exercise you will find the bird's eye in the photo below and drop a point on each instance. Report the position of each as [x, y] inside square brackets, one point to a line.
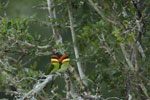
[65, 60]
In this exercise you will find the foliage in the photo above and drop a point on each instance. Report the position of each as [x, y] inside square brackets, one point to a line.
[112, 36]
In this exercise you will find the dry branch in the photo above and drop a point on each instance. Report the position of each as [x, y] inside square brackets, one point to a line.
[81, 73]
[38, 87]
[52, 16]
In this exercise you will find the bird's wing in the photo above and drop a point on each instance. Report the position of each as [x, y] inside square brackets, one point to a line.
[63, 67]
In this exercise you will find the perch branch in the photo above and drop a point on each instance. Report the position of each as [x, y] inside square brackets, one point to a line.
[39, 86]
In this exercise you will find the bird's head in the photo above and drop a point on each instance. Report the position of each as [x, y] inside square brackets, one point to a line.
[64, 59]
[57, 58]
[54, 59]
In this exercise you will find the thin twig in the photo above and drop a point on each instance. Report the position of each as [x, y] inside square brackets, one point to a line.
[100, 13]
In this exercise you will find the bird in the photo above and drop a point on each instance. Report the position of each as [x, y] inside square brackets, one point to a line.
[64, 63]
[60, 63]
[55, 63]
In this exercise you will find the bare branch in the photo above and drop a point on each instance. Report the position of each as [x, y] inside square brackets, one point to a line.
[28, 45]
[141, 85]
[81, 73]
[140, 49]
[126, 55]
[127, 88]
[38, 87]
[69, 87]
[102, 39]
[14, 61]
[52, 16]
[78, 79]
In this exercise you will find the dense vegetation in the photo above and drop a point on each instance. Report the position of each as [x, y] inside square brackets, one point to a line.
[106, 40]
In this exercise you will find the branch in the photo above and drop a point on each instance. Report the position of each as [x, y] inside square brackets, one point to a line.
[78, 79]
[144, 90]
[126, 55]
[82, 75]
[99, 12]
[140, 49]
[27, 62]
[13, 60]
[30, 46]
[140, 22]
[69, 87]
[52, 16]
[38, 87]
[127, 88]
[141, 84]
[92, 97]
[141, 26]
[108, 49]
[44, 23]
[134, 69]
